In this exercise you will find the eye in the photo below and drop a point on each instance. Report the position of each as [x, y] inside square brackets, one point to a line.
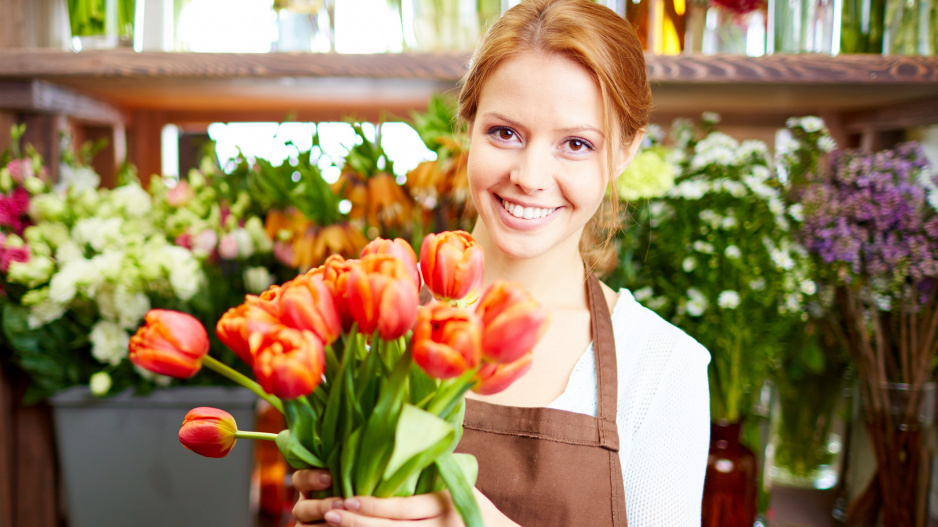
[575, 144]
[503, 133]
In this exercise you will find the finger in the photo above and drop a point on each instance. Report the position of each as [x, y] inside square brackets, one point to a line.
[311, 511]
[311, 480]
[410, 508]
[343, 518]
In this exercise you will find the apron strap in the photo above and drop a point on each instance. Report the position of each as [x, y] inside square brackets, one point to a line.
[604, 350]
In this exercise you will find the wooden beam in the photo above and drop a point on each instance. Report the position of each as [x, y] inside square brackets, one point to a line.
[145, 143]
[43, 97]
[896, 117]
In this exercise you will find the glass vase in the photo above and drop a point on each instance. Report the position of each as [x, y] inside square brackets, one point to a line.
[910, 27]
[306, 26]
[900, 419]
[802, 26]
[730, 487]
[861, 27]
[807, 431]
[734, 32]
[668, 26]
[101, 24]
[444, 25]
[636, 12]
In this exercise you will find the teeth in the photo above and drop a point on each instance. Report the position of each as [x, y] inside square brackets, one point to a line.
[528, 213]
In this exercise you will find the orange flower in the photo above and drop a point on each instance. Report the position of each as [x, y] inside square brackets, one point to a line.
[288, 362]
[382, 296]
[451, 264]
[335, 275]
[388, 205]
[169, 343]
[512, 322]
[447, 340]
[493, 377]
[209, 432]
[397, 248]
[339, 238]
[306, 303]
[235, 327]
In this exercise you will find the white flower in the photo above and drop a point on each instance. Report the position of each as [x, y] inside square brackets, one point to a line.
[689, 264]
[776, 206]
[44, 312]
[690, 189]
[697, 302]
[758, 284]
[643, 294]
[796, 211]
[657, 303]
[808, 287]
[77, 179]
[826, 143]
[109, 342]
[47, 207]
[36, 271]
[133, 307]
[728, 299]
[100, 383]
[732, 252]
[255, 228]
[64, 284]
[132, 199]
[703, 247]
[729, 222]
[753, 147]
[710, 117]
[711, 218]
[185, 275]
[782, 259]
[812, 124]
[735, 188]
[257, 279]
[245, 243]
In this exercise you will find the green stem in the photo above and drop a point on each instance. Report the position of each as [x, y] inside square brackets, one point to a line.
[238, 377]
[247, 434]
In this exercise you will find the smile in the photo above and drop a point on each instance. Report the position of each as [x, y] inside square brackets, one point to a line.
[528, 213]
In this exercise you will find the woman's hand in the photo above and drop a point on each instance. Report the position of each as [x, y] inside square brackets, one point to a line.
[425, 510]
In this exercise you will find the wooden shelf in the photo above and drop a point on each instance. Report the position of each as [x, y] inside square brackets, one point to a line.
[199, 87]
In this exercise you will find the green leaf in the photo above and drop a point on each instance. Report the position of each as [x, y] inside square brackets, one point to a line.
[302, 421]
[295, 453]
[419, 439]
[459, 473]
[348, 459]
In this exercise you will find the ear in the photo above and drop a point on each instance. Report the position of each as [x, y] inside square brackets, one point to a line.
[627, 154]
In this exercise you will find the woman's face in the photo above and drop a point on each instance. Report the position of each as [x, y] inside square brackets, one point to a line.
[537, 160]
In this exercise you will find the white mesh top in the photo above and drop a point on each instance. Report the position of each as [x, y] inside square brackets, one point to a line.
[663, 414]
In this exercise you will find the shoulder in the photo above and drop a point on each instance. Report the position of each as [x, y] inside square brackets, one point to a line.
[641, 332]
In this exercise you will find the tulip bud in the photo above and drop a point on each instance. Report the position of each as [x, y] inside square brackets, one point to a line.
[306, 303]
[335, 273]
[288, 362]
[169, 343]
[209, 432]
[493, 377]
[397, 248]
[451, 264]
[512, 322]
[382, 296]
[447, 340]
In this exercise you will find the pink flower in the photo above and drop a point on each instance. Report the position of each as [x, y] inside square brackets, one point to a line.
[228, 247]
[283, 251]
[13, 254]
[20, 169]
[180, 195]
[184, 240]
[205, 241]
[13, 209]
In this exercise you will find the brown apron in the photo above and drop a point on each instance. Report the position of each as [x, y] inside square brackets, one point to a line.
[544, 467]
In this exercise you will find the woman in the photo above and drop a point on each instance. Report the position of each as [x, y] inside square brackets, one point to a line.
[612, 421]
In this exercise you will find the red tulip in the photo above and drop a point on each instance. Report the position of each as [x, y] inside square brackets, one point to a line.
[235, 327]
[288, 362]
[493, 377]
[447, 340]
[382, 296]
[451, 263]
[169, 343]
[306, 303]
[209, 432]
[512, 322]
[335, 272]
[399, 249]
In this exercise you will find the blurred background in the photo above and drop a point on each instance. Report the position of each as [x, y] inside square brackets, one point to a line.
[783, 210]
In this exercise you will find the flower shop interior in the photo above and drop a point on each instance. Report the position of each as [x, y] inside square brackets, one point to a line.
[180, 154]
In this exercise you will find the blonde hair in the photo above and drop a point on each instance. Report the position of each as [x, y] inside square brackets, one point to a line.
[606, 45]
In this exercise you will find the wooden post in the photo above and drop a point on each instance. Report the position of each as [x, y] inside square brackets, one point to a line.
[144, 143]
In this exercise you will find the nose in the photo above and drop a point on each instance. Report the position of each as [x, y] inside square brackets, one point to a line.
[533, 169]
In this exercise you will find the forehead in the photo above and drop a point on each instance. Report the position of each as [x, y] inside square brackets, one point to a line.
[543, 87]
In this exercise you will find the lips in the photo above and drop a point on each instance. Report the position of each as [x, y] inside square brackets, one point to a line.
[528, 213]
[539, 216]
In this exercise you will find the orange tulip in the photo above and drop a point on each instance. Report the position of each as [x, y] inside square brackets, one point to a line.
[451, 264]
[382, 296]
[306, 303]
[493, 377]
[288, 362]
[397, 248]
[169, 343]
[335, 274]
[512, 322]
[235, 327]
[447, 340]
[388, 205]
[209, 432]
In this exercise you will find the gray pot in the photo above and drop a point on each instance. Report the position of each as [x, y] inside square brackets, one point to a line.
[122, 464]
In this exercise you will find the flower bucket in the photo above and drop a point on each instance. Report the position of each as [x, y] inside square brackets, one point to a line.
[121, 465]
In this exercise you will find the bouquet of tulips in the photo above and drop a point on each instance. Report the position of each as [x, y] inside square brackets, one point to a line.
[371, 383]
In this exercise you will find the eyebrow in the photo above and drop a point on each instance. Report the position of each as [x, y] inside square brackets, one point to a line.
[570, 130]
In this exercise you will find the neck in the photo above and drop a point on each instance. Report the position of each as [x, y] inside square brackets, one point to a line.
[556, 279]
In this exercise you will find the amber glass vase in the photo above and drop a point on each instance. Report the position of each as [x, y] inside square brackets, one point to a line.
[730, 488]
